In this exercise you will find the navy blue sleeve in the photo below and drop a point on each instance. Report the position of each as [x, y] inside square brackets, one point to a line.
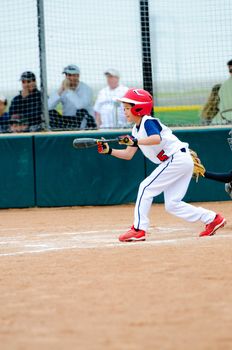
[152, 127]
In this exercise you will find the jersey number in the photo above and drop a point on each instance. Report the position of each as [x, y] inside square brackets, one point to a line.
[162, 156]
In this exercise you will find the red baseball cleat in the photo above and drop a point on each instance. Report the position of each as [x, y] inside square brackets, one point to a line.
[211, 228]
[133, 235]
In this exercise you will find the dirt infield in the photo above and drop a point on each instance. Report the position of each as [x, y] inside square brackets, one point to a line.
[67, 283]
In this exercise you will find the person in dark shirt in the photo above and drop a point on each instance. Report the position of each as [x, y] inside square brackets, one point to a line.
[4, 116]
[225, 178]
[28, 104]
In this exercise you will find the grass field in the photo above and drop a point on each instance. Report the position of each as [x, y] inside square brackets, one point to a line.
[174, 116]
[179, 117]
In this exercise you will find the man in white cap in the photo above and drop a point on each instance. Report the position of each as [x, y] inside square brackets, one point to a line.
[108, 112]
[76, 99]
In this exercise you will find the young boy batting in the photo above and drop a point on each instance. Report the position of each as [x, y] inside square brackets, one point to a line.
[173, 174]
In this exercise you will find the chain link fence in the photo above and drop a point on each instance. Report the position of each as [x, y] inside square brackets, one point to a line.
[176, 49]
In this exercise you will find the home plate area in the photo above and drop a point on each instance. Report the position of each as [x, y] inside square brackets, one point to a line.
[27, 241]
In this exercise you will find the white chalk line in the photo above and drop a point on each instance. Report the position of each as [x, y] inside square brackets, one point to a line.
[100, 242]
[55, 233]
[80, 236]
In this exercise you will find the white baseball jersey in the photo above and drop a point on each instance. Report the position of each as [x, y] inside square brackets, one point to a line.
[169, 145]
[112, 113]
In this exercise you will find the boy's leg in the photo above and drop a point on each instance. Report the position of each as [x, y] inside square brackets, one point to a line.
[173, 196]
[149, 188]
[175, 192]
[172, 178]
[152, 186]
[173, 202]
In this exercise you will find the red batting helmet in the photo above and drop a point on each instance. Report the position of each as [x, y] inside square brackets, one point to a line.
[141, 99]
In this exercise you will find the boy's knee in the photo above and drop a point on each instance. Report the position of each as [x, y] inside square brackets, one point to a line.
[170, 206]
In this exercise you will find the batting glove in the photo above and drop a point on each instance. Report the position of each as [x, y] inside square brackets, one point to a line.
[103, 147]
[128, 140]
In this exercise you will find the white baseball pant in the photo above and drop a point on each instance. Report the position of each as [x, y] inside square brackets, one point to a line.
[172, 177]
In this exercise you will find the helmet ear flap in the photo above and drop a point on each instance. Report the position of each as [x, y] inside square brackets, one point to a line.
[142, 109]
[136, 110]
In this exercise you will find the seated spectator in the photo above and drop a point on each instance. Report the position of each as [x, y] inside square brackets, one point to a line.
[76, 100]
[220, 101]
[27, 105]
[211, 108]
[225, 104]
[4, 116]
[18, 124]
[108, 112]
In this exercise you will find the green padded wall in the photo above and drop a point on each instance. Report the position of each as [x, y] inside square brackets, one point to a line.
[17, 172]
[214, 151]
[66, 176]
[45, 170]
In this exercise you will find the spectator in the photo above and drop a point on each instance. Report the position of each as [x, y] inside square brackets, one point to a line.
[4, 116]
[225, 103]
[211, 108]
[108, 112]
[76, 99]
[28, 104]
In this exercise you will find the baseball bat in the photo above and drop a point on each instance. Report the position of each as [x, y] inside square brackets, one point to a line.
[83, 142]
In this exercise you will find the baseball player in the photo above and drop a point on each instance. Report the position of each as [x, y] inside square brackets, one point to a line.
[172, 175]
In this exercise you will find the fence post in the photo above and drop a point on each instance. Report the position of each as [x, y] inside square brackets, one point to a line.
[146, 46]
[42, 60]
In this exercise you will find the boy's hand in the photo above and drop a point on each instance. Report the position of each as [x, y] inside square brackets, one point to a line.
[128, 140]
[103, 147]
